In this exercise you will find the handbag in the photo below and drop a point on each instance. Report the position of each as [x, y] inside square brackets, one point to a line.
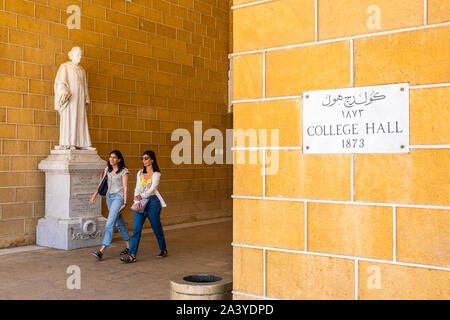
[103, 189]
[143, 203]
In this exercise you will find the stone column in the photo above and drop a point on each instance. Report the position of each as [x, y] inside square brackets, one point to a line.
[71, 221]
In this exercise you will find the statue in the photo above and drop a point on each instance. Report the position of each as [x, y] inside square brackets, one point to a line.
[72, 169]
[71, 99]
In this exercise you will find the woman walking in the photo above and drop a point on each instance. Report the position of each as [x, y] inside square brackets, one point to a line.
[116, 199]
[147, 182]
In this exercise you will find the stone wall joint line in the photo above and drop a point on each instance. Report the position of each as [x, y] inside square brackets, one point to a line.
[366, 35]
[249, 4]
[361, 203]
[341, 256]
[253, 295]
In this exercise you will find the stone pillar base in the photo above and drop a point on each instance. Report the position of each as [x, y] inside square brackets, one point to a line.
[68, 234]
[71, 221]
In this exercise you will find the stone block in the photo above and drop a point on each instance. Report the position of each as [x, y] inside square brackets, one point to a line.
[248, 270]
[420, 177]
[382, 281]
[71, 221]
[354, 230]
[266, 24]
[423, 236]
[308, 277]
[426, 62]
[291, 71]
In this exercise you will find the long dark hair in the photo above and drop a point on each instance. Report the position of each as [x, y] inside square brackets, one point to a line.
[120, 164]
[152, 156]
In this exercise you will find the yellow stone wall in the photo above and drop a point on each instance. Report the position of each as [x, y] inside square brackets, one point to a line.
[365, 226]
[153, 66]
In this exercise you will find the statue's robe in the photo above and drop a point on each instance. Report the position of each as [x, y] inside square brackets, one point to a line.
[73, 128]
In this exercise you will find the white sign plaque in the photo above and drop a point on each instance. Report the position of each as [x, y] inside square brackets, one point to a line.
[371, 119]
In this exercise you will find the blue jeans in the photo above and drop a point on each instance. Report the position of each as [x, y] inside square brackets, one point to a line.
[114, 202]
[152, 212]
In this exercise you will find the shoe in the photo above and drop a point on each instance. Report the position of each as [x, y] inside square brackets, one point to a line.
[163, 254]
[98, 255]
[128, 259]
[125, 252]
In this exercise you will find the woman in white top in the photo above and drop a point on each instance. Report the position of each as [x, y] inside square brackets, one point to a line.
[147, 182]
[116, 199]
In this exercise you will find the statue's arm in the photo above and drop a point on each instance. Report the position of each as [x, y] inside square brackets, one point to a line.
[62, 92]
[86, 90]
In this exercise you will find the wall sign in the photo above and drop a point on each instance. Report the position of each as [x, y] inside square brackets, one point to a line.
[371, 119]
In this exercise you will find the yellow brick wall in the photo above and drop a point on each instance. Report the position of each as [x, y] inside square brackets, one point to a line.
[153, 66]
[365, 226]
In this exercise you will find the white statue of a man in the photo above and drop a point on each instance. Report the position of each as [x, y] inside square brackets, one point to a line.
[71, 99]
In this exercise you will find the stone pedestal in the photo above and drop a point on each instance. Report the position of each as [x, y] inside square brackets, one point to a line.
[71, 221]
[202, 286]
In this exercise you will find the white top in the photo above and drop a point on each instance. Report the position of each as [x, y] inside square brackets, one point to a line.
[146, 191]
[115, 182]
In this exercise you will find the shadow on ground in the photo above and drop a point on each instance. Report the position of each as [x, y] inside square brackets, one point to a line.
[42, 274]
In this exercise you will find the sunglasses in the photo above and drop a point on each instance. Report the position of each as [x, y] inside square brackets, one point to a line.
[145, 158]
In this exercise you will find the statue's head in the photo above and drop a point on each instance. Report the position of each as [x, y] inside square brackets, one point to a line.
[75, 54]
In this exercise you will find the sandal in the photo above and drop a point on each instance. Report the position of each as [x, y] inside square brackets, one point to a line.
[163, 254]
[125, 252]
[128, 259]
[98, 255]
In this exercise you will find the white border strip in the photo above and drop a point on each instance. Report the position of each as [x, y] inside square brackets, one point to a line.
[341, 256]
[421, 86]
[264, 273]
[433, 85]
[352, 72]
[360, 203]
[264, 173]
[264, 148]
[267, 99]
[306, 226]
[430, 146]
[356, 279]
[425, 12]
[394, 233]
[316, 19]
[352, 177]
[252, 295]
[429, 26]
[414, 146]
[249, 4]
[264, 75]
[249, 197]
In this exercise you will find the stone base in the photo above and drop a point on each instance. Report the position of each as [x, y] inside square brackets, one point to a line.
[202, 286]
[69, 234]
[71, 220]
[219, 296]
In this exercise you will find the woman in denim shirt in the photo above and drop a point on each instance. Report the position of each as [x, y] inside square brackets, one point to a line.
[116, 199]
[147, 182]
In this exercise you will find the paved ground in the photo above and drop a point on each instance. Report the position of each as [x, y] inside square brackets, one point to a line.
[42, 274]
